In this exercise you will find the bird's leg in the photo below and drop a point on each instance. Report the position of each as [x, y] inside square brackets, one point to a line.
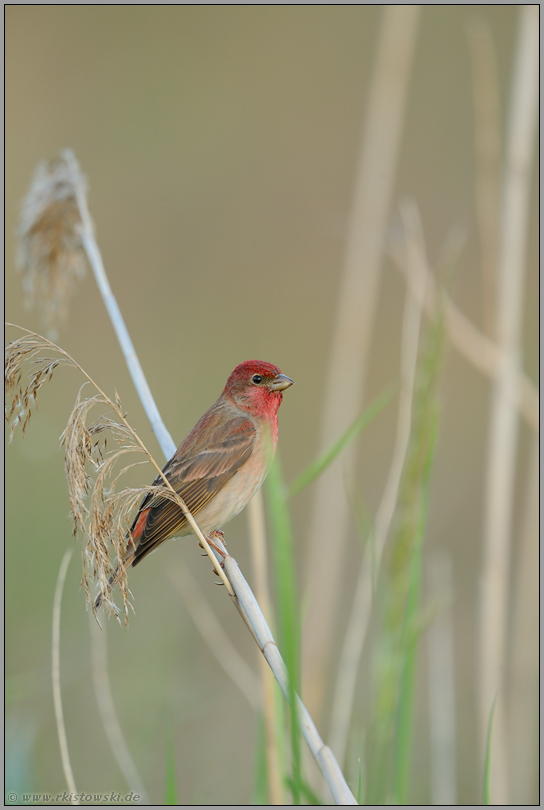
[221, 537]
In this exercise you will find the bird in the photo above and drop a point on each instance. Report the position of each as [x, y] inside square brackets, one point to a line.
[217, 468]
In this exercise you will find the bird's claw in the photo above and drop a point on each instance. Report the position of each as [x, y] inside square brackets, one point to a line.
[221, 537]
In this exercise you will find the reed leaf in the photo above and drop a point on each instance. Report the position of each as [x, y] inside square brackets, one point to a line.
[319, 465]
[486, 799]
[287, 608]
[401, 590]
[171, 791]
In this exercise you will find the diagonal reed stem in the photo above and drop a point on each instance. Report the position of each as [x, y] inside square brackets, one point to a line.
[55, 673]
[94, 256]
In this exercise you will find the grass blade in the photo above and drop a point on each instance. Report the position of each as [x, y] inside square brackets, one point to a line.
[402, 589]
[288, 616]
[360, 784]
[59, 716]
[108, 712]
[260, 775]
[314, 470]
[487, 761]
[170, 793]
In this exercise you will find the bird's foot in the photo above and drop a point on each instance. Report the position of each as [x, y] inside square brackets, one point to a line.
[220, 536]
[217, 533]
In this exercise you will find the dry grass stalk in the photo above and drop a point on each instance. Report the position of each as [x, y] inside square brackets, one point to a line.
[350, 341]
[108, 714]
[55, 674]
[441, 668]
[354, 640]
[524, 658]
[50, 255]
[225, 653]
[503, 425]
[487, 142]
[482, 352]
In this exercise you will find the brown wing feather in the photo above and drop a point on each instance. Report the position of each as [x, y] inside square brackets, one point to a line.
[196, 476]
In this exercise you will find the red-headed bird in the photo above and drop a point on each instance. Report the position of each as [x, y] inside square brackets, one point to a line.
[218, 468]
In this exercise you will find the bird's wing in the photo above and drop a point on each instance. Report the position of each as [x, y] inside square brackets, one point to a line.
[196, 476]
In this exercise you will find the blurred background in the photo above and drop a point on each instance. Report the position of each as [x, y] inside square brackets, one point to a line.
[221, 144]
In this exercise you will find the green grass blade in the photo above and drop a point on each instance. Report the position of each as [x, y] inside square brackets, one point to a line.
[412, 628]
[360, 784]
[260, 787]
[170, 793]
[487, 761]
[314, 470]
[400, 591]
[287, 608]
[311, 797]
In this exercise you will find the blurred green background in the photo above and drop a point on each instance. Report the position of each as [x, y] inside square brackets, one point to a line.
[220, 143]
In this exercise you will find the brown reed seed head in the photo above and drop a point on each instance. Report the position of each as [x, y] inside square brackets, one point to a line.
[50, 254]
[20, 399]
[97, 453]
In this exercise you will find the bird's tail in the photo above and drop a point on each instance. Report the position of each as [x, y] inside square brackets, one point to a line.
[116, 576]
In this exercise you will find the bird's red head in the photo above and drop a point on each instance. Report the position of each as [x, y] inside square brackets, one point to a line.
[257, 387]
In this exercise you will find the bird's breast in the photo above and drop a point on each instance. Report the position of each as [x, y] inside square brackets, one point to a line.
[237, 492]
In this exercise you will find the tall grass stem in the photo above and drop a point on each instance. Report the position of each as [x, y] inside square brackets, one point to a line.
[476, 347]
[441, 669]
[354, 640]
[503, 425]
[108, 713]
[485, 85]
[227, 656]
[272, 722]
[524, 659]
[287, 607]
[55, 673]
[351, 337]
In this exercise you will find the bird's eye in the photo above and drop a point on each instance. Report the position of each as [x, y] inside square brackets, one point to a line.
[257, 379]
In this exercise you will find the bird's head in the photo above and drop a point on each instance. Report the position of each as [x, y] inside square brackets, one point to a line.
[257, 387]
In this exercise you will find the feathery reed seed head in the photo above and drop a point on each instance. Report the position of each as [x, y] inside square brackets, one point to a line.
[50, 255]
[97, 453]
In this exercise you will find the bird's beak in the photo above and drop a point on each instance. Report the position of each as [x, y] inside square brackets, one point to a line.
[281, 382]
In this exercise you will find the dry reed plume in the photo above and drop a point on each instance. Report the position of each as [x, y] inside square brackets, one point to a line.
[100, 507]
[50, 255]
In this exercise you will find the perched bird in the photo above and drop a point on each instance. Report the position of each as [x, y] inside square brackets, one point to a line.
[218, 468]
